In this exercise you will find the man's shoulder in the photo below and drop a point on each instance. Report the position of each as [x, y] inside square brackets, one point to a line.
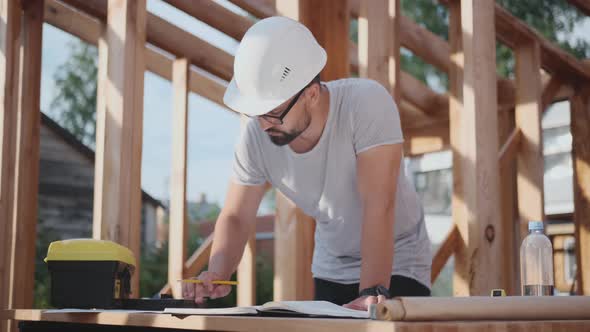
[354, 84]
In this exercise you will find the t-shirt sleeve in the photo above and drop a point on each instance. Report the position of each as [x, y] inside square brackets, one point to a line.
[247, 165]
[375, 119]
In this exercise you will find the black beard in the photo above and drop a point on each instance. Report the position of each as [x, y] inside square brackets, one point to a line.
[283, 139]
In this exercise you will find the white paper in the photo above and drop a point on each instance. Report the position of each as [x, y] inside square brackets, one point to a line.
[315, 308]
[213, 311]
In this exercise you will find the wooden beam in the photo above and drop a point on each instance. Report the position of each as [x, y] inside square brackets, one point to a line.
[444, 252]
[26, 167]
[510, 148]
[530, 166]
[172, 39]
[258, 8]
[513, 32]
[580, 127]
[421, 96]
[215, 15]
[89, 30]
[246, 289]
[509, 215]
[460, 285]
[582, 5]
[481, 264]
[379, 43]
[178, 230]
[418, 141]
[550, 90]
[117, 181]
[293, 252]
[10, 23]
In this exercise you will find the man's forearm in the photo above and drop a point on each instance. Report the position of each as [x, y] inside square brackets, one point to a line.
[229, 240]
[377, 245]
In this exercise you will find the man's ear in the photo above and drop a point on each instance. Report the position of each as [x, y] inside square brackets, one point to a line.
[313, 94]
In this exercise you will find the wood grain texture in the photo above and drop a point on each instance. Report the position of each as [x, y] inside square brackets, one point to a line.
[246, 289]
[580, 128]
[121, 68]
[26, 162]
[479, 268]
[10, 18]
[530, 165]
[178, 229]
[244, 324]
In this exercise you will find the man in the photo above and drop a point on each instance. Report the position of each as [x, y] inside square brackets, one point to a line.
[335, 149]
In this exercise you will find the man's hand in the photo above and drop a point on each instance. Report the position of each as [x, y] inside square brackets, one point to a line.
[363, 302]
[199, 292]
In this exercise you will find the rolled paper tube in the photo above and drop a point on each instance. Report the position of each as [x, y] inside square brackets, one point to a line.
[485, 308]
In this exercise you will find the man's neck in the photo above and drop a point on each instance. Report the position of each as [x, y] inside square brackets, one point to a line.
[308, 139]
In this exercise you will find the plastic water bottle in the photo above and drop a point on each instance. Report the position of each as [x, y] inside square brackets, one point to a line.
[536, 262]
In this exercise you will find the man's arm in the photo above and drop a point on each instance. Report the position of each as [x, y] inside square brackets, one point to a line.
[377, 175]
[234, 226]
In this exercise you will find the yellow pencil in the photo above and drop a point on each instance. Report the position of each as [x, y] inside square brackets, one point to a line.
[216, 282]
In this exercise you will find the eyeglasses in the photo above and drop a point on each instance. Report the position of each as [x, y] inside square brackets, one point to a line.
[278, 119]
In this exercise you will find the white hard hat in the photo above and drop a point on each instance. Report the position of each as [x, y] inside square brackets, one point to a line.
[276, 58]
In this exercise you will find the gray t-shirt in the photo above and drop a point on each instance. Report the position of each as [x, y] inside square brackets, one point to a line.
[323, 181]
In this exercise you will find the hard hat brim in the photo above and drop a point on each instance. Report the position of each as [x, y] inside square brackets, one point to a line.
[246, 104]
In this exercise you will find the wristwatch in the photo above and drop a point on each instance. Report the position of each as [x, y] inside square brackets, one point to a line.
[375, 291]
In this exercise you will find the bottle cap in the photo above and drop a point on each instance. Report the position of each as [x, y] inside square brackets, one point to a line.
[535, 225]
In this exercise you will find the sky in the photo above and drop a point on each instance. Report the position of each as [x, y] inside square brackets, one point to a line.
[213, 131]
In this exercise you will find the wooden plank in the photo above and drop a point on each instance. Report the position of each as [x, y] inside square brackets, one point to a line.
[178, 230]
[258, 8]
[117, 181]
[510, 148]
[582, 5]
[246, 289]
[530, 166]
[507, 162]
[215, 15]
[550, 90]
[460, 286]
[421, 96]
[10, 23]
[294, 247]
[481, 264]
[444, 252]
[26, 167]
[172, 39]
[288, 324]
[428, 139]
[513, 32]
[580, 127]
[379, 43]
[89, 30]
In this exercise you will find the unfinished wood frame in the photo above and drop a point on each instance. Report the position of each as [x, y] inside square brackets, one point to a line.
[580, 128]
[379, 43]
[178, 230]
[246, 289]
[479, 262]
[119, 123]
[528, 120]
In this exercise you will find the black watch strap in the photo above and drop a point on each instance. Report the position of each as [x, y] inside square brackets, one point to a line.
[375, 291]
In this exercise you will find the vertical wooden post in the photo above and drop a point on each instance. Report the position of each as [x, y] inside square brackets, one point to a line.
[178, 230]
[10, 21]
[328, 20]
[117, 182]
[580, 127]
[479, 266]
[26, 168]
[379, 43]
[528, 119]
[247, 274]
[460, 287]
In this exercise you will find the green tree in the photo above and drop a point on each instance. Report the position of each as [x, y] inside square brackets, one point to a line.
[75, 100]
